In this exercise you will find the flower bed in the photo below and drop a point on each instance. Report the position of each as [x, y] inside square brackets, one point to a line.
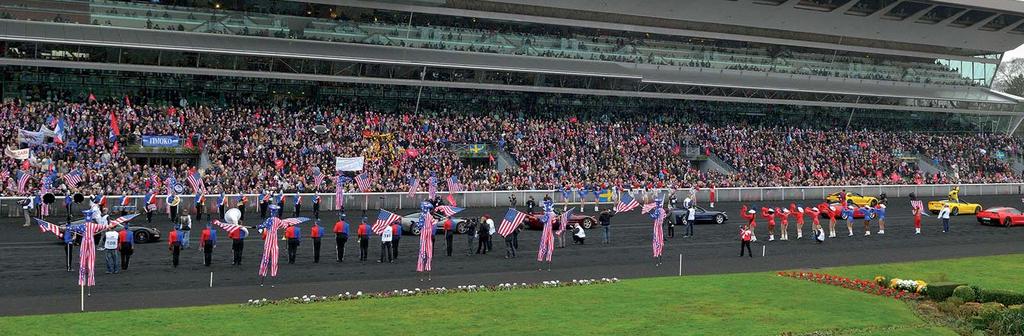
[429, 291]
[866, 286]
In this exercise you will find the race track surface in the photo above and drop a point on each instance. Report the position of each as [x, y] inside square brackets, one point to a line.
[35, 282]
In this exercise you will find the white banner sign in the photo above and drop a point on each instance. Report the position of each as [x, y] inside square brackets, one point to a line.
[348, 164]
[17, 154]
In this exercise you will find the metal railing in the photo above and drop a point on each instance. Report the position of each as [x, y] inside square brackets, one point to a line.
[402, 200]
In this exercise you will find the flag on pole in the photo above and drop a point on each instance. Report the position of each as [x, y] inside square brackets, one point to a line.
[648, 207]
[448, 211]
[626, 203]
[318, 179]
[384, 220]
[363, 181]
[426, 257]
[414, 186]
[658, 240]
[547, 240]
[564, 220]
[115, 126]
[339, 192]
[196, 181]
[453, 184]
[73, 178]
[45, 226]
[432, 186]
[22, 178]
[513, 218]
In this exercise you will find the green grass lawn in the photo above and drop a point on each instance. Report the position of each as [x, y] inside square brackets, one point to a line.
[733, 304]
[1004, 271]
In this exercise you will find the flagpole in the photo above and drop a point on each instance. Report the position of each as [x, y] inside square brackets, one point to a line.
[82, 301]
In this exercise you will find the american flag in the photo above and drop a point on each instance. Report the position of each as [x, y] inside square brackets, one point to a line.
[45, 226]
[339, 192]
[658, 241]
[426, 245]
[563, 220]
[384, 220]
[648, 207]
[154, 181]
[363, 181]
[87, 249]
[547, 241]
[44, 209]
[453, 184]
[4, 174]
[196, 181]
[917, 204]
[73, 178]
[448, 211]
[22, 178]
[513, 218]
[268, 262]
[626, 203]
[318, 179]
[122, 219]
[228, 227]
[432, 186]
[414, 186]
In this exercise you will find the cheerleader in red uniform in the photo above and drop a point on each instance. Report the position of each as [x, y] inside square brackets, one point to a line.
[783, 215]
[831, 213]
[769, 215]
[799, 213]
[750, 215]
[815, 214]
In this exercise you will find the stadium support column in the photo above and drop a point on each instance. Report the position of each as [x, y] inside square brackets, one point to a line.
[423, 75]
[1016, 120]
[850, 120]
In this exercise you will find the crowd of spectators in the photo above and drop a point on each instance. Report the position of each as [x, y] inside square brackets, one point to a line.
[275, 144]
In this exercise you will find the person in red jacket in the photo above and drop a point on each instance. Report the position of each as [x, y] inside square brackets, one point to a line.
[750, 215]
[207, 241]
[294, 235]
[917, 219]
[364, 239]
[237, 244]
[815, 215]
[769, 215]
[341, 236]
[798, 211]
[449, 234]
[831, 213]
[127, 244]
[711, 197]
[174, 245]
[783, 214]
[316, 232]
[746, 237]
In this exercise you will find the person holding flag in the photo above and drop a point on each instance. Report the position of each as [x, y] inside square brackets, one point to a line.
[510, 223]
[264, 203]
[547, 238]
[149, 202]
[658, 214]
[93, 224]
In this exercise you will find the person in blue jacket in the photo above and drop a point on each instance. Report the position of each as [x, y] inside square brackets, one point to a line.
[316, 232]
[869, 213]
[293, 234]
[847, 212]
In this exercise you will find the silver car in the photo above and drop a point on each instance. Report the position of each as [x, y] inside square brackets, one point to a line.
[410, 221]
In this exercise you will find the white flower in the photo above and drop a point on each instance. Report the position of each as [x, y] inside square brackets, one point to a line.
[359, 293]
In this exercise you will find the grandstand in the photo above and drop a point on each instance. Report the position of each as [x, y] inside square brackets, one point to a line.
[555, 92]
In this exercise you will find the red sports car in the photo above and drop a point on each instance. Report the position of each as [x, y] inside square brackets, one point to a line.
[857, 214]
[532, 220]
[1003, 216]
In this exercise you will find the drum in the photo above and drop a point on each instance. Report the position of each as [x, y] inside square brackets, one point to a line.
[180, 189]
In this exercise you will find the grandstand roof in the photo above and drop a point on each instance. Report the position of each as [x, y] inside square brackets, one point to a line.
[244, 45]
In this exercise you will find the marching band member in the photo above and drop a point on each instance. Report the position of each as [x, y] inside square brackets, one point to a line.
[316, 232]
[316, 205]
[298, 204]
[174, 245]
[174, 201]
[769, 215]
[126, 241]
[917, 219]
[294, 235]
[363, 231]
[237, 244]
[241, 205]
[798, 211]
[396, 236]
[200, 204]
[341, 236]
[746, 237]
[207, 241]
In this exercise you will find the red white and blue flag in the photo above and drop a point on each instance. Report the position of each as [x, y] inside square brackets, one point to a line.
[426, 257]
[564, 220]
[45, 226]
[318, 179]
[448, 211]
[268, 262]
[363, 181]
[384, 220]
[196, 181]
[547, 240]
[339, 192]
[228, 227]
[414, 186]
[658, 241]
[513, 218]
[432, 186]
[73, 178]
[22, 178]
[453, 184]
[648, 207]
[626, 203]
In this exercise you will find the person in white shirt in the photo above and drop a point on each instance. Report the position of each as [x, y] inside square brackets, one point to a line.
[944, 216]
[691, 218]
[185, 225]
[490, 234]
[385, 245]
[579, 235]
[110, 239]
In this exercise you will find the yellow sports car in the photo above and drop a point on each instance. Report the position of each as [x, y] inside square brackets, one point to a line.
[961, 207]
[857, 199]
